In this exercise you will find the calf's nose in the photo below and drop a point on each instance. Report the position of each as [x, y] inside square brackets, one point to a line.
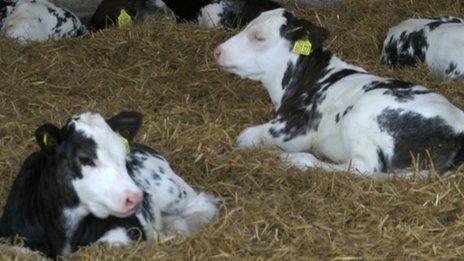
[132, 201]
[217, 52]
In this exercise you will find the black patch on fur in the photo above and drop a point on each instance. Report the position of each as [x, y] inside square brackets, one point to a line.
[402, 91]
[400, 56]
[288, 75]
[304, 93]
[383, 162]
[347, 110]
[147, 210]
[414, 135]
[452, 72]
[337, 118]
[301, 93]
[156, 176]
[337, 76]
[443, 20]
[92, 228]
[133, 162]
[42, 190]
[63, 18]
[34, 206]
[452, 66]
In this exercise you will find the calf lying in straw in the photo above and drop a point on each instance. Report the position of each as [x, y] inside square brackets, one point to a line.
[89, 184]
[337, 111]
[37, 20]
[437, 42]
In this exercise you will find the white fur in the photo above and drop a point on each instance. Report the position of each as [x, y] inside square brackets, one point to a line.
[116, 237]
[349, 145]
[160, 4]
[252, 60]
[71, 218]
[199, 211]
[184, 210]
[104, 188]
[32, 21]
[209, 16]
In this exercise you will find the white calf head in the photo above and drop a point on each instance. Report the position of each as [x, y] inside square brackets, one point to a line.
[266, 44]
[90, 158]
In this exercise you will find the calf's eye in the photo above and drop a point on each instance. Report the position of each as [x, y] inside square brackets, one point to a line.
[86, 161]
[257, 37]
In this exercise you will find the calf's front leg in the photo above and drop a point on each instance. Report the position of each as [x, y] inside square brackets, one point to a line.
[273, 134]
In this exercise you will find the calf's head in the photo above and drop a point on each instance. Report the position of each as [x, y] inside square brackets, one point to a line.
[265, 46]
[89, 155]
[124, 12]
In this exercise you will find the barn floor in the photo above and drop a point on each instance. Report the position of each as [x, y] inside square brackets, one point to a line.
[193, 113]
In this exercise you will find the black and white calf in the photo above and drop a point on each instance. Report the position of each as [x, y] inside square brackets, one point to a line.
[437, 42]
[109, 12]
[219, 13]
[37, 20]
[334, 110]
[89, 184]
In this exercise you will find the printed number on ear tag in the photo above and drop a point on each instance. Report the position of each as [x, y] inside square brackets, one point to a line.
[124, 18]
[302, 47]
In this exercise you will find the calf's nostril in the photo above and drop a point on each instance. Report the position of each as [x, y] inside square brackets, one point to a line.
[132, 201]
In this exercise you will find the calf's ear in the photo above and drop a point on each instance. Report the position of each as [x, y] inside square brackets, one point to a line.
[48, 136]
[126, 123]
[300, 29]
[318, 35]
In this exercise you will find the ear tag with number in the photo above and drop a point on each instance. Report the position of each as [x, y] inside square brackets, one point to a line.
[302, 47]
[124, 19]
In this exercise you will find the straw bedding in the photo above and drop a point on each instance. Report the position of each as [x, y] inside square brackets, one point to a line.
[193, 113]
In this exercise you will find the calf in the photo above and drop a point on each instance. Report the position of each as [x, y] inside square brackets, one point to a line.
[334, 110]
[219, 13]
[113, 12]
[37, 20]
[89, 184]
[437, 42]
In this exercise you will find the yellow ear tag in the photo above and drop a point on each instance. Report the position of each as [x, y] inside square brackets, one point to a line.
[124, 19]
[302, 47]
[45, 139]
[126, 144]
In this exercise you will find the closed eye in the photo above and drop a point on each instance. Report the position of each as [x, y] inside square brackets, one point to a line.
[257, 37]
[86, 161]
